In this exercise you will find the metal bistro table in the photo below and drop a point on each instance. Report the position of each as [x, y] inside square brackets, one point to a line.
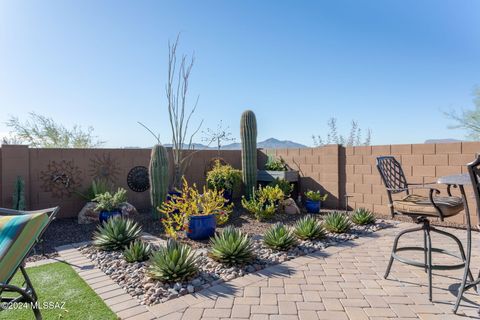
[460, 181]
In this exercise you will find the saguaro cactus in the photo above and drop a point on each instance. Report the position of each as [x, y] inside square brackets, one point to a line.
[158, 175]
[19, 194]
[248, 134]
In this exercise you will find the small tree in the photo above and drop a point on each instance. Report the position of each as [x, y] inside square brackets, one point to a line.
[354, 137]
[219, 136]
[468, 119]
[43, 132]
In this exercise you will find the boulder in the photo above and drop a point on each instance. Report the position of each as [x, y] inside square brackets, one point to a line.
[290, 207]
[89, 215]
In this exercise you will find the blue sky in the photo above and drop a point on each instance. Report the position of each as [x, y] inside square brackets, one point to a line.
[391, 65]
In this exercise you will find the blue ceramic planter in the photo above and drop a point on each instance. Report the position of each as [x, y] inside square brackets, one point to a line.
[201, 227]
[105, 215]
[312, 206]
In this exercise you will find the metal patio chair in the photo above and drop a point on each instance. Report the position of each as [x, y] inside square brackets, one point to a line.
[420, 209]
[20, 231]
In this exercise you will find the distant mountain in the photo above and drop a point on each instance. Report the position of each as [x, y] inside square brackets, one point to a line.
[271, 143]
[442, 140]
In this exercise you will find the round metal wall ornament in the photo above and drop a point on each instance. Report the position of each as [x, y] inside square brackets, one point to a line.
[137, 179]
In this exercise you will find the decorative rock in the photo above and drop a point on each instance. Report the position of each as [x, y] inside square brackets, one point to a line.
[190, 288]
[290, 207]
[88, 214]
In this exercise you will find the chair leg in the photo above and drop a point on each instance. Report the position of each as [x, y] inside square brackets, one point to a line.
[425, 251]
[395, 245]
[28, 283]
[460, 247]
[27, 298]
[429, 260]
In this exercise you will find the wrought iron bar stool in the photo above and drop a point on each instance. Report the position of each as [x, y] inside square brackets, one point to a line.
[420, 208]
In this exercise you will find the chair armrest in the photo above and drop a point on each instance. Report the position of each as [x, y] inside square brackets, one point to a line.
[10, 212]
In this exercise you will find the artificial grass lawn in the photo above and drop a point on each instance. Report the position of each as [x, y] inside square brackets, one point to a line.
[56, 283]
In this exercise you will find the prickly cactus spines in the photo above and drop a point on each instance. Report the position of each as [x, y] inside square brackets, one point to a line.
[158, 175]
[248, 134]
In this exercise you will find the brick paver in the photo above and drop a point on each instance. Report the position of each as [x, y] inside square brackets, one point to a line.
[341, 282]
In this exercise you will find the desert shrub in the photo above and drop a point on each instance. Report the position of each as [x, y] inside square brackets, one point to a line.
[337, 222]
[279, 237]
[363, 216]
[308, 228]
[137, 251]
[173, 262]
[116, 233]
[231, 247]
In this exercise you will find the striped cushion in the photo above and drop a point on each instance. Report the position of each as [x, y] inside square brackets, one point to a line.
[17, 236]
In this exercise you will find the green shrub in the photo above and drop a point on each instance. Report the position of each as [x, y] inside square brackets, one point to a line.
[279, 237]
[137, 251]
[110, 202]
[270, 194]
[116, 233]
[259, 208]
[315, 195]
[308, 228]
[231, 247]
[363, 216]
[98, 186]
[283, 185]
[174, 262]
[275, 164]
[337, 222]
[223, 177]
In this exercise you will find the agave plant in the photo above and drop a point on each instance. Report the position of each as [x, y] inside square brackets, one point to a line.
[363, 216]
[279, 237]
[116, 233]
[337, 222]
[308, 228]
[137, 251]
[174, 262]
[231, 247]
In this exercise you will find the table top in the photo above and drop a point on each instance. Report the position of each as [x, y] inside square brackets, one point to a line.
[458, 179]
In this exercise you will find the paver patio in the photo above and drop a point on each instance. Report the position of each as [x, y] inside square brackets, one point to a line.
[340, 282]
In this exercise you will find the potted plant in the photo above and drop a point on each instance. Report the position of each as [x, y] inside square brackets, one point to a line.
[276, 168]
[313, 201]
[224, 177]
[196, 213]
[108, 204]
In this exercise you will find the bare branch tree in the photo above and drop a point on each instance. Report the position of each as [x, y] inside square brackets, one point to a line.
[219, 136]
[177, 92]
[468, 120]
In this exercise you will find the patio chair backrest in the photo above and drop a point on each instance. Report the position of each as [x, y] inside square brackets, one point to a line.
[392, 174]
[18, 235]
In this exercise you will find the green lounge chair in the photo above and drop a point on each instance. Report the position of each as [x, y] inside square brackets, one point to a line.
[19, 232]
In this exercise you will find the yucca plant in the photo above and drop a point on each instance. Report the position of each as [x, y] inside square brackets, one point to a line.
[174, 262]
[308, 228]
[137, 251]
[116, 233]
[279, 237]
[337, 222]
[231, 247]
[363, 216]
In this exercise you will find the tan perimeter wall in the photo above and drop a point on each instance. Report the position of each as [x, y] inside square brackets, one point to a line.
[334, 169]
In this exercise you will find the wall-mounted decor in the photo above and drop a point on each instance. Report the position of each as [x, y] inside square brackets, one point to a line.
[104, 167]
[61, 178]
[137, 179]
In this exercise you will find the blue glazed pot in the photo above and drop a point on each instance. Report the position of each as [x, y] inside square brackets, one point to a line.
[312, 206]
[105, 215]
[201, 227]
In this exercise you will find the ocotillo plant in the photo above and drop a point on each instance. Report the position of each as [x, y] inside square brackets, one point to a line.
[158, 175]
[248, 134]
[19, 194]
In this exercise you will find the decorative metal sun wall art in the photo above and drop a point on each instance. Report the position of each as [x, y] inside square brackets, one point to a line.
[105, 168]
[61, 178]
[137, 179]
